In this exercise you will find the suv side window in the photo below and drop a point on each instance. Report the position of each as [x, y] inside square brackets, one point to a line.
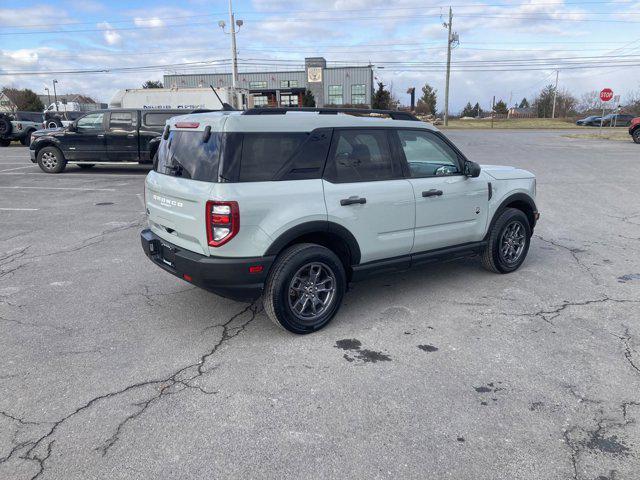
[361, 155]
[122, 121]
[427, 154]
[91, 122]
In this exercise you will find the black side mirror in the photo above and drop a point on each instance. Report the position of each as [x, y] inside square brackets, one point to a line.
[471, 169]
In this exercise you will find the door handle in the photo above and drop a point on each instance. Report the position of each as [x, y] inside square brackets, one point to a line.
[100, 135]
[352, 201]
[131, 135]
[432, 193]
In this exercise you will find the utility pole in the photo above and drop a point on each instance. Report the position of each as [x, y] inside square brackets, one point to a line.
[452, 41]
[48, 97]
[446, 88]
[555, 94]
[234, 52]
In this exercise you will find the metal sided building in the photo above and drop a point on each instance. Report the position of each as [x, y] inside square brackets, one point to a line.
[329, 85]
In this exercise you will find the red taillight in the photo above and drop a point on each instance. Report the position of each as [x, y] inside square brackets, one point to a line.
[256, 268]
[187, 124]
[223, 222]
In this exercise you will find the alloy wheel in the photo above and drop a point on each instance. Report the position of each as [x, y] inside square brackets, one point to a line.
[512, 242]
[312, 291]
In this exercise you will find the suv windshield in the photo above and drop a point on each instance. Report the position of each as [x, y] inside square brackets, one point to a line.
[184, 154]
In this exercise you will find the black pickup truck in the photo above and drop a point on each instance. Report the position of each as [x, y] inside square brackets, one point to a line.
[103, 137]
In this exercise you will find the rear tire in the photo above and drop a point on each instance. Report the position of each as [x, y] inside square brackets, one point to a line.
[509, 241]
[51, 160]
[636, 135]
[305, 288]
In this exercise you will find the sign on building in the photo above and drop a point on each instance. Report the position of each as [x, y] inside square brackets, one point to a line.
[314, 74]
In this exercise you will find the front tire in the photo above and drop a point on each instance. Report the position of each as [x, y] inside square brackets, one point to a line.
[51, 160]
[305, 288]
[636, 135]
[509, 241]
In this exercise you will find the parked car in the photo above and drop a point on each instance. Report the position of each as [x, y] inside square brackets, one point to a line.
[634, 129]
[18, 126]
[616, 120]
[293, 205]
[590, 121]
[101, 137]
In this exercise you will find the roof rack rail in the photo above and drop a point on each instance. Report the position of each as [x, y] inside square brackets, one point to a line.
[393, 114]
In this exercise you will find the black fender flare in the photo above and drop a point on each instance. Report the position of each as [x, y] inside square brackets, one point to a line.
[322, 227]
[42, 142]
[516, 197]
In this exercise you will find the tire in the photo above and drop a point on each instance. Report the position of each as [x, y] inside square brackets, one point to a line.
[26, 139]
[509, 241]
[5, 142]
[287, 295]
[51, 160]
[86, 166]
[54, 122]
[5, 125]
[636, 135]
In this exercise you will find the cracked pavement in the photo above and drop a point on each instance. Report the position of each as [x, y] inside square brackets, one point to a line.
[112, 368]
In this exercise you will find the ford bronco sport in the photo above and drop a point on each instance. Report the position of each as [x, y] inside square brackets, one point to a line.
[294, 205]
[18, 126]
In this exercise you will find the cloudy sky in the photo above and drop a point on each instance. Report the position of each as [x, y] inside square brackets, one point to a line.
[509, 49]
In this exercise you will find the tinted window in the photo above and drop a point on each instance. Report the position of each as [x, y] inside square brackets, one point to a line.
[158, 119]
[29, 116]
[361, 156]
[264, 154]
[184, 154]
[427, 154]
[91, 122]
[121, 121]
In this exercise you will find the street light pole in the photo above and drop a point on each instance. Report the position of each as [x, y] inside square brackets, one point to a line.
[55, 95]
[48, 97]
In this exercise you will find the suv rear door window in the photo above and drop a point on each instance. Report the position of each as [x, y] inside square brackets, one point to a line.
[264, 154]
[185, 155]
[361, 156]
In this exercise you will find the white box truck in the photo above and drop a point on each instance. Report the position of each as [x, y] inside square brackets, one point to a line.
[181, 98]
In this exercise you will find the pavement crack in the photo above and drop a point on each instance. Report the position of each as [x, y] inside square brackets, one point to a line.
[574, 253]
[179, 381]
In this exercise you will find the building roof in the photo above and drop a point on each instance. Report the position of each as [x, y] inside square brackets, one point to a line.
[68, 97]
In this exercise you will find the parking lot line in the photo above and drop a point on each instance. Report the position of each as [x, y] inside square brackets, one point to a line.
[20, 209]
[61, 188]
[16, 168]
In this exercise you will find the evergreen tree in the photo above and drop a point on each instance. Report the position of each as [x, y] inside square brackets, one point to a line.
[381, 98]
[308, 100]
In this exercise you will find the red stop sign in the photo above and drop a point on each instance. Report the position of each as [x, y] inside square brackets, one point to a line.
[606, 94]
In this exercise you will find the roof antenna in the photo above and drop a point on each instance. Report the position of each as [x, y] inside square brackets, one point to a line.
[225, 106]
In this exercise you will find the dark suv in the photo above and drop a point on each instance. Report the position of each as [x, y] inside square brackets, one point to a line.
[616, 120]
[105, 137]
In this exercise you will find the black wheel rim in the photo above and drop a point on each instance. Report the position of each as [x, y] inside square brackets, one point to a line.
[512, 242]
[312, 291]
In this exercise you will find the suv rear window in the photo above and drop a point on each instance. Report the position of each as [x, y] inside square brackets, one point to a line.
[264, 154]
[184, 154]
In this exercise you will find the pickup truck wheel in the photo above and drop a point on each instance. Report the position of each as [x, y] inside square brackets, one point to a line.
[51, 160]
[305, 287]
[509, 241]
[26, 140]
[86, 166]
[636, 135]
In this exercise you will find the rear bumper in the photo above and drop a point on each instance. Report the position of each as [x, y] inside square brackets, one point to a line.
[224, 276]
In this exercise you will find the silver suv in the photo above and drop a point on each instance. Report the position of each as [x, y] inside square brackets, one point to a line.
[294, 205]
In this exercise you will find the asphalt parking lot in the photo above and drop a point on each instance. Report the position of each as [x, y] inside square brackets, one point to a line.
[112, 368]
